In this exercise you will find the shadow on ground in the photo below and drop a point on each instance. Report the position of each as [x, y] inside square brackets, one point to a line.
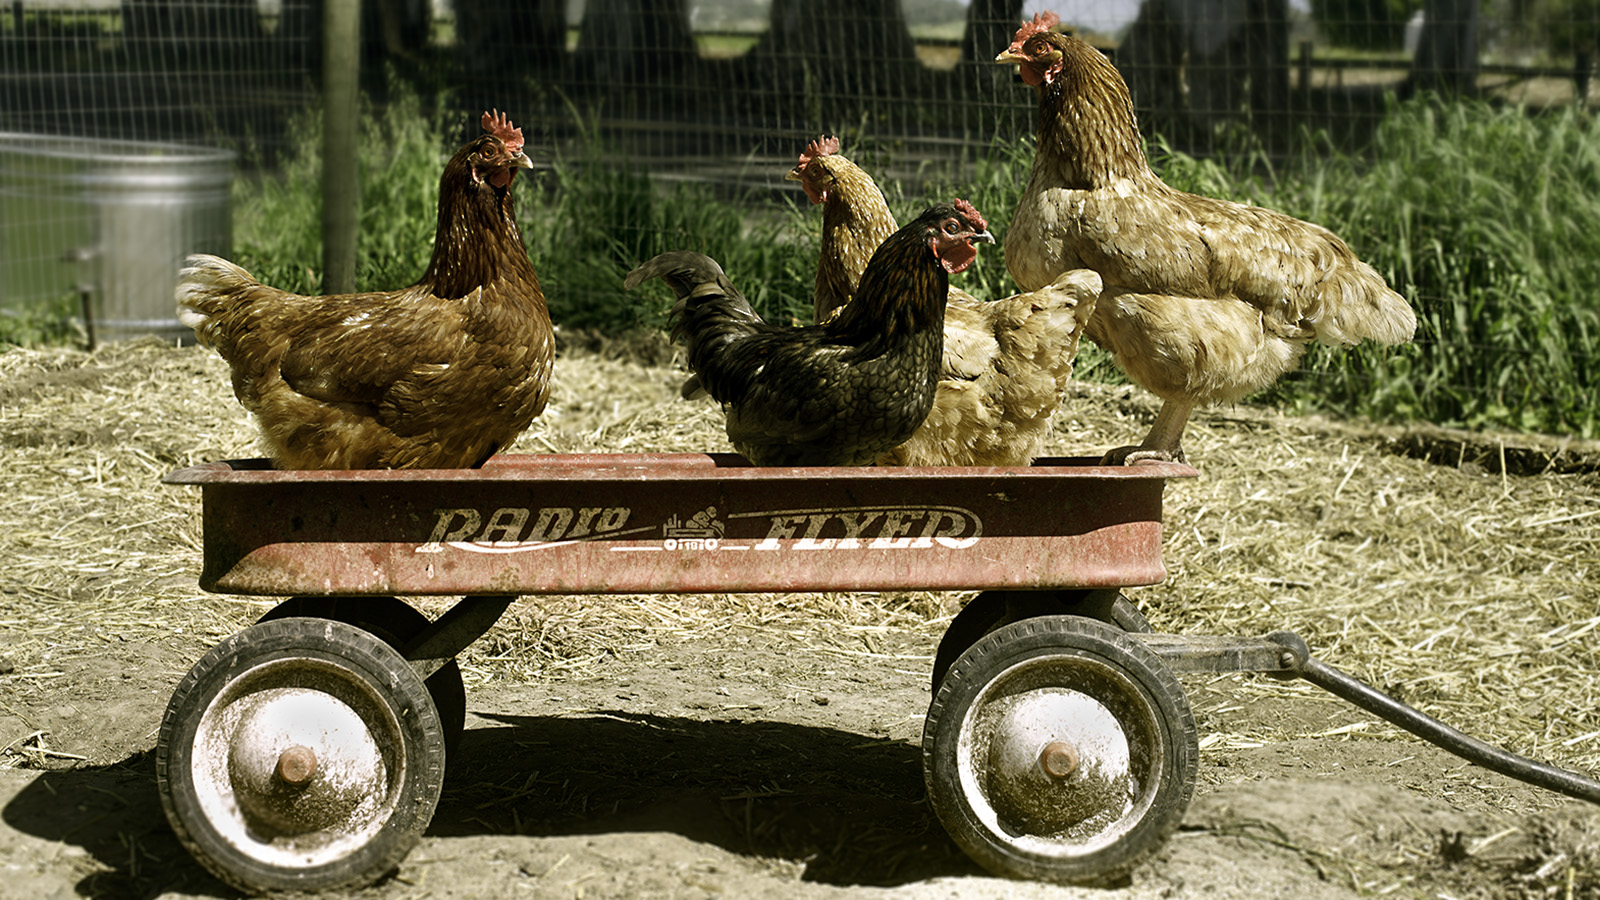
[848, 807]
[844, 807]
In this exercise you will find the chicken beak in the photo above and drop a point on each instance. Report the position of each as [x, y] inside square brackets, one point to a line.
[1010, 55]
[793, 175]
[984, 237]
[521, 161]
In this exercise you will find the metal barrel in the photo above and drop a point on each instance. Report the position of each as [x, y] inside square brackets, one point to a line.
[110, 221]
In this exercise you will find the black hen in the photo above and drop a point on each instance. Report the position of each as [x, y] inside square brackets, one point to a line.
[836, 394]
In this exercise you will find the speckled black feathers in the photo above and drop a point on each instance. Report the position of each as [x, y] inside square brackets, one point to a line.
[837, 394]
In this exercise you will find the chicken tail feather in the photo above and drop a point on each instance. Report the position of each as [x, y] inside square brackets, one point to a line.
[1365, 308]
[710, 312]
[207, 285]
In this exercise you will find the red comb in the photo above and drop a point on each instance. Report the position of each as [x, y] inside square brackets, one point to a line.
[827, 145]
[972, 214]
[1042, 21]
[498, 125]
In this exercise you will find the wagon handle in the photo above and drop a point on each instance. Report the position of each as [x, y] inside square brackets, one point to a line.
[1296, 657]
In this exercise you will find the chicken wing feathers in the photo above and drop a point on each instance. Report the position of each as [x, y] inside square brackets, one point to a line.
[1006, 363]
[836, 394]
[439, 374]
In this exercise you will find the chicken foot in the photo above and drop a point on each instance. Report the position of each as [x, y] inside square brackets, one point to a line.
[1162, 443]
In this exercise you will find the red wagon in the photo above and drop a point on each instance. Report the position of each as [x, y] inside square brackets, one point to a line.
[307, 751]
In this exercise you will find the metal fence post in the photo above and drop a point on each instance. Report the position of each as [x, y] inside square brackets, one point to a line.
[341, 123]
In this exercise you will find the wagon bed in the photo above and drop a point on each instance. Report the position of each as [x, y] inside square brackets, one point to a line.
[681, 522]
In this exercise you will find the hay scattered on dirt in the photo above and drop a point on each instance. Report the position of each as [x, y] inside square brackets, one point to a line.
[1459, 585]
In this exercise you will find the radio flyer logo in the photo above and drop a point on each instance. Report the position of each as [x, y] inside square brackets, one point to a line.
[521, 529]
[703, 531]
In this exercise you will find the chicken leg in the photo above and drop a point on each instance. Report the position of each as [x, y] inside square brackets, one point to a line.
[1162, 443]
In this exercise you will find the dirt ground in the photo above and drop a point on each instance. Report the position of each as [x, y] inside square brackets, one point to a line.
[748, 752]
[756, 763]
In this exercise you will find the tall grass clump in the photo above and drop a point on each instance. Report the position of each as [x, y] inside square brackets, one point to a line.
[53, 321]
[586, 221]
[1490, 219]
[1484, 218]
[277, 233]
[594, 218]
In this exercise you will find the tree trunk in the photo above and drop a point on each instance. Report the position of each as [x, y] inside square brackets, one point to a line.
[842, 33]
[991, 24]
[1447, 54]
[831, 56]
[1266, 52]
[511, 38]
[1152, 60]
[622, 41]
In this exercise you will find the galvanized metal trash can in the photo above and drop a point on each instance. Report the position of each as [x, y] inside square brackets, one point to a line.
[110, 221]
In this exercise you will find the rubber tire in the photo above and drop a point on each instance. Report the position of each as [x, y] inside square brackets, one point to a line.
[396, 622]
[1172, 745]
[989, 610]
[1127, 617]
[357, 654]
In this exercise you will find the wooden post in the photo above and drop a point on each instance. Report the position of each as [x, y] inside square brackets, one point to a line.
[1305, 75]
[1582, 69]
[341, 123]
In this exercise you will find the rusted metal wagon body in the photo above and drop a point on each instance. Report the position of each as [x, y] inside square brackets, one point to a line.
[307, 751]
[669, 523]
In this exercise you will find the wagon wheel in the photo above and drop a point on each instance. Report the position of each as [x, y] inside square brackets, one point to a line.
[988, 610]
[1059, 749]
[300, 754]
[396, 622]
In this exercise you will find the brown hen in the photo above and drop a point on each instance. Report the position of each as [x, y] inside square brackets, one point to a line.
[1006, 362]
[441, 374]
[840, 393]
[1205, 300]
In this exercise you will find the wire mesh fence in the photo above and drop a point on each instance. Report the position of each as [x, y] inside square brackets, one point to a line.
[723, 90]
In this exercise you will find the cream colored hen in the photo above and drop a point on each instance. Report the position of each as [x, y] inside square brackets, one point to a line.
[1006, 362]
[1205, 300]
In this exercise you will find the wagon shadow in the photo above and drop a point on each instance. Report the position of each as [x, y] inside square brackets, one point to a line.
[112, 815]
[845, 807]
[848, 808]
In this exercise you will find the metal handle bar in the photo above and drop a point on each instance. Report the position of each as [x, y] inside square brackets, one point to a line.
[1285, 653]
[1435, 732]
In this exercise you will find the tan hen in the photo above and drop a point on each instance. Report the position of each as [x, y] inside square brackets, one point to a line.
[1006, 363]
[1205, 300]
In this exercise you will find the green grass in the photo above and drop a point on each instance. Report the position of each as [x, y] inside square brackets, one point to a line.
[586, 222]
[1483, 217]
[57, 322]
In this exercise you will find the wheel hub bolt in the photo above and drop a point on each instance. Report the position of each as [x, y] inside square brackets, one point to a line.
[296, 765]
[1058, 759]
